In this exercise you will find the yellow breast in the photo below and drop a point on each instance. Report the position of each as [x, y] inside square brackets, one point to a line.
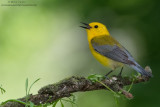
[104, 60]
[99, 30]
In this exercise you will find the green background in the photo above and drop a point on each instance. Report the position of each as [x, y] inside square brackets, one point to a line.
[45, 41]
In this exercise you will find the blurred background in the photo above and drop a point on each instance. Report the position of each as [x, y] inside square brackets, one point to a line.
[45, 41]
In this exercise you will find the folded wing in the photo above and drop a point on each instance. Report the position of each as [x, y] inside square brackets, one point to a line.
[110, 48]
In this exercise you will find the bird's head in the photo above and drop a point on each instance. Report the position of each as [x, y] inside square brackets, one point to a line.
[95, 29]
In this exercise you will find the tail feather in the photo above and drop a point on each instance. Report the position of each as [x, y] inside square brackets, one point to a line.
[141, 70]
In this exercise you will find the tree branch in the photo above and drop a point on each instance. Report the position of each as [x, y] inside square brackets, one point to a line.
[64, 88]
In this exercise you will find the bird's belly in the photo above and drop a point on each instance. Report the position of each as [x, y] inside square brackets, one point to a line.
[106, 61]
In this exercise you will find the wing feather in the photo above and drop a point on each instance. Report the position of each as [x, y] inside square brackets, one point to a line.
[109, 47]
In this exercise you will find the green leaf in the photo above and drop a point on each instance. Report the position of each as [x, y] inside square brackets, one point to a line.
[55, 103]
[32, 85]
[130, 87]
[117, 95]
[116, 100]
[73, 98]
[28, 90]
[62, 105]
[26, 86]
[95, 77]
[31, 104]
[13, 100]
[2, 89]
[68, 101]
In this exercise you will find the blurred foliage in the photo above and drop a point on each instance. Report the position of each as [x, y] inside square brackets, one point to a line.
[45, 41]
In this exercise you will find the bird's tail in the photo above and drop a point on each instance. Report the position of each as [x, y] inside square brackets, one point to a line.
[141, 70]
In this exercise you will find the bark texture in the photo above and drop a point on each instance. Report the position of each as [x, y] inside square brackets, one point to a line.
[64, 88]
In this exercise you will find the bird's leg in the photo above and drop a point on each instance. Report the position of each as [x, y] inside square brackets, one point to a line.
[120, 72]
[108, 73]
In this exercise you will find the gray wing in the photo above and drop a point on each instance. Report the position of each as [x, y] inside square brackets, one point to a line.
[114, 53]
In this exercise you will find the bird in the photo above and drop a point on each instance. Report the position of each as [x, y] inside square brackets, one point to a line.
[108, 51]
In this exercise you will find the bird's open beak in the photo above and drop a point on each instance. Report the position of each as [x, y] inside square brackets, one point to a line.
[86, 26]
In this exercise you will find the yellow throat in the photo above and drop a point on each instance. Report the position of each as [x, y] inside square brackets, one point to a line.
[93, 32]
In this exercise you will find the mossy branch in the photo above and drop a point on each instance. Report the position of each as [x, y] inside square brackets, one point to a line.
[66, 87]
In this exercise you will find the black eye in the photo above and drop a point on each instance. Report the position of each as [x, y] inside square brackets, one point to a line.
[96, 26]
